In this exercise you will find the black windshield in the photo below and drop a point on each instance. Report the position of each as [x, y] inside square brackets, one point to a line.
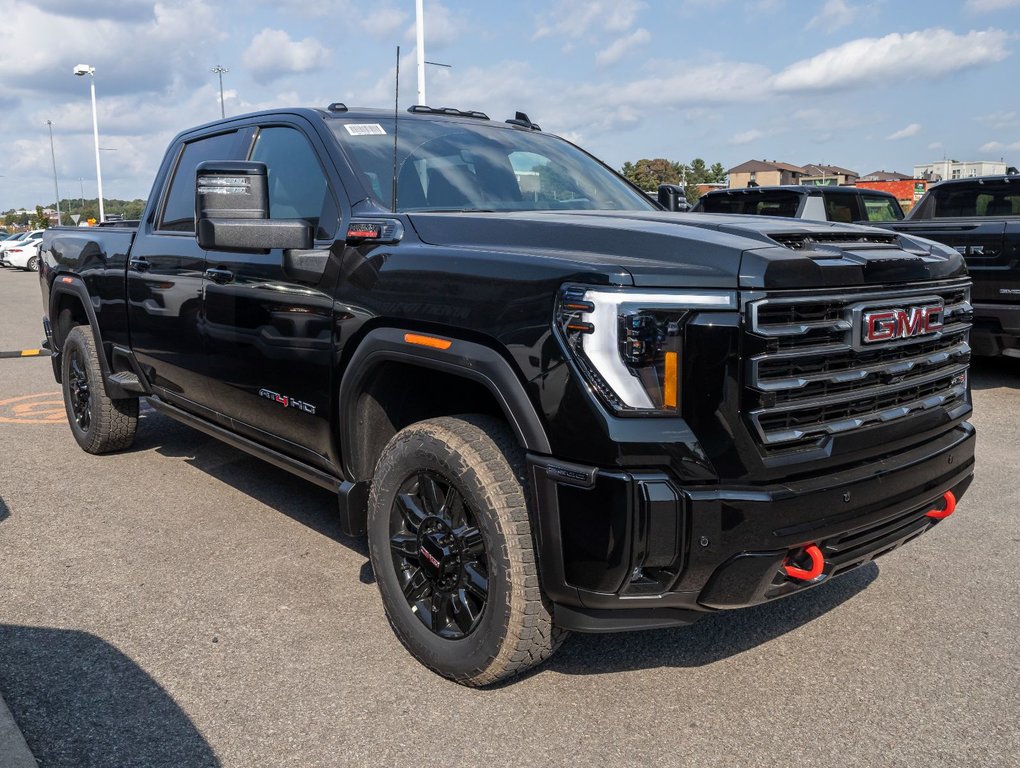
[446, 165]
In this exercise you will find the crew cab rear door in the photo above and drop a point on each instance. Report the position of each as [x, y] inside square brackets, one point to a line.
[268, 324]
[165, 276]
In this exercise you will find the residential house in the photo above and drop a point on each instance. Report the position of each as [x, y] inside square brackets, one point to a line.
[828, 176]
[764, 173]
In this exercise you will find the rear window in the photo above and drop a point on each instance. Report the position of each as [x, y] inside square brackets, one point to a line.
[880, 208]
[755, 204]
[983, 201]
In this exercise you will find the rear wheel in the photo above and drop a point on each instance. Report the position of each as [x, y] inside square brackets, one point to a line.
[99, 424]
[451, 545]
[33, 264]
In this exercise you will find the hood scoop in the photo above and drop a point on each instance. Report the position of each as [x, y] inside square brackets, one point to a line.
[833, 245]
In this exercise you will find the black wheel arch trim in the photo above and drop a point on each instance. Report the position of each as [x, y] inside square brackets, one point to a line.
[66, 285]
[468, 359]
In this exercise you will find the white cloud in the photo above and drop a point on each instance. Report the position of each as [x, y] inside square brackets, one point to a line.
[935, 145]
[905, 133]
[998, 146]
[755, 7]
[746, 137]
[443, 27]
[272, 54]
[928, 53]
[621, 46]
[987, 6]
[574, 18]
[834, 15]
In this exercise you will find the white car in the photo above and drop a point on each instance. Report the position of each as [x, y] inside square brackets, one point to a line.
[24, 253]
[15, 242]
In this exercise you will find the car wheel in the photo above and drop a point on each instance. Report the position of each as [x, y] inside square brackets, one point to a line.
[99, 423]
[33, 264]
[450, 541]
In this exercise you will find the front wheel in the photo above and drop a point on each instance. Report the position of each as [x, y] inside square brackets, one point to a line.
[450, 541]
[99, 424]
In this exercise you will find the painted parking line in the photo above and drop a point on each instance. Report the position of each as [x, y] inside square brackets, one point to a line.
[40, 408]
[26, 353]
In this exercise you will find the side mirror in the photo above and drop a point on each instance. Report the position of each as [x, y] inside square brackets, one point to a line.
[232, 210]
[672, 198]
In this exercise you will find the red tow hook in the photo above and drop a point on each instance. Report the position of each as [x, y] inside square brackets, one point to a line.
[942, 514]
[817, 564]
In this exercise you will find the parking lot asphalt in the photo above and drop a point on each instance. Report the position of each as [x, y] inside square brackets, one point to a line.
[183, 604]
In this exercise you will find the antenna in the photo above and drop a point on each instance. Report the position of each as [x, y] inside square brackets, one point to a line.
[396, 109]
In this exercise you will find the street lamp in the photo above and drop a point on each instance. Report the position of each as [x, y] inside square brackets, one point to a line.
[219, 69]
[53, 157]
[80, 71]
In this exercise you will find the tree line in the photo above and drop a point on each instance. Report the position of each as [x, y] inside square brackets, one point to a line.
[85, 208]
[649, 174]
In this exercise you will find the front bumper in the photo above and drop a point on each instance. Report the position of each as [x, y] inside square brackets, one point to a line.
[629, 550]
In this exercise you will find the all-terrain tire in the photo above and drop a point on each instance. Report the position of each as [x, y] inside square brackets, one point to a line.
[99, 423]
[477, 458]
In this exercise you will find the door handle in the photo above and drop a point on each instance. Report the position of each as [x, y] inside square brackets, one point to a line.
[139, 264]
[219, 275]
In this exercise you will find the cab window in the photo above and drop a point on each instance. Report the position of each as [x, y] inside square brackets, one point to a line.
[179, 206]
[297, 183]
[881, 208]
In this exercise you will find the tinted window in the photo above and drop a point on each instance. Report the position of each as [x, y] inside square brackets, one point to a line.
[879, 208]
[983, 201]
[754, 203]
[297, 184]
[445, 165]
[843, 208]
[179, 208]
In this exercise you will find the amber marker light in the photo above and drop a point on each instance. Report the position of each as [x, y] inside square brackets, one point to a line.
[427, 341]
[669, 390]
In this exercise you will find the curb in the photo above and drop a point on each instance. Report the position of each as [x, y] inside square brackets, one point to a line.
[14, 752]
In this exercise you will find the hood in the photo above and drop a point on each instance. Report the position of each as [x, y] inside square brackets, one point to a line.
[701, 250]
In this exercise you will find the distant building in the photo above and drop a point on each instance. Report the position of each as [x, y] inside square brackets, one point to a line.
[954, 169]
[764, 173]
[885, 176]
[907, 190]
[828, 176]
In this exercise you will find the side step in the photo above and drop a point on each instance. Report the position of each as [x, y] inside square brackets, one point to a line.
[128, 381]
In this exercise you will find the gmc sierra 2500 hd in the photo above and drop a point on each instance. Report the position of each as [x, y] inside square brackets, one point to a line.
[551, 404]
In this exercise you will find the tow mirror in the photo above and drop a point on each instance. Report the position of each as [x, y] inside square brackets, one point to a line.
[232, 210]
[672, 198]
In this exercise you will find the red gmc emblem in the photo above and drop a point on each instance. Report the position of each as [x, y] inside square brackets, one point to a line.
[895, 323]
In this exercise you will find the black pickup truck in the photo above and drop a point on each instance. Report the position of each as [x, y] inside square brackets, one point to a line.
[979, 217]
[551, 404]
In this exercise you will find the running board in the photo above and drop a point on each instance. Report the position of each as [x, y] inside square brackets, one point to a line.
[299, 468]
[352, 497]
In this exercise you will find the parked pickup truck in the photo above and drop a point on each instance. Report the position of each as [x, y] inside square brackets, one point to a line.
[979, 217]
[551, 404]
[801, 201]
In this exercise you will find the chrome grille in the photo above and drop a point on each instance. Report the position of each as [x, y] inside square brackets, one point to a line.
[809, 377]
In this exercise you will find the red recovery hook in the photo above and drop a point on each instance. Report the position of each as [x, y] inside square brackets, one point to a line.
[942, 514]
[817, 564]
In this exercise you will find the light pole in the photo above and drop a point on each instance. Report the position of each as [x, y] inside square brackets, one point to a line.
[81, 70]
[82, 182]
[220, 70]
[419, 17]
[53, 157]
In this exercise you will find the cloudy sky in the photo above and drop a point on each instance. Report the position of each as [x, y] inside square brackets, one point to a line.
[865, 84]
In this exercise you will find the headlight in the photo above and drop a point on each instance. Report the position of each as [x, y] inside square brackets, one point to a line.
[628, 343]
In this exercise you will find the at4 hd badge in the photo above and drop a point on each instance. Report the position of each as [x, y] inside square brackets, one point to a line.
[285, 401]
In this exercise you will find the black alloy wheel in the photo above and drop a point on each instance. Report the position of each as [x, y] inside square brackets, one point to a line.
[80, 395]
[439, 555]
[98, 423]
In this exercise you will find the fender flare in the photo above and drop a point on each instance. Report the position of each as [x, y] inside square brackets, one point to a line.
[467, 359]
[69, 285]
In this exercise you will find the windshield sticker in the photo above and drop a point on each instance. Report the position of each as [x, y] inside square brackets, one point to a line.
[365, 129]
